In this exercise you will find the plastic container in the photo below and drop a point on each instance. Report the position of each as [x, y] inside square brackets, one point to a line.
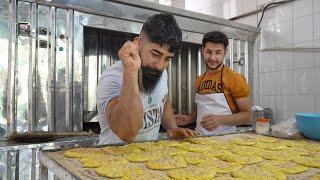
[309, 125]
[256, 115]
[263, 126]
[268, 114]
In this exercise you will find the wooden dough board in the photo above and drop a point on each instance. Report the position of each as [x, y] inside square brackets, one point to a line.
[71, 168]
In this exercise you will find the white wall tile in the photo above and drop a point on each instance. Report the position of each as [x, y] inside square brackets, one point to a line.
[195, 5]
[255, 85]
[304, 81]
[316, 26]
[316, 55]
[267, 37]
[285, 83]
[226, 8]
[233, 8]
[316, 6]
[285, 108]
[304, 103]
[268, 17]
[267, 83]
[210, 12]
[211, 3]
[263, 2]
[284, 60]
[317, 104]
[283, 12]
[306, 44]
[248, 20]
[267, 61]
[303, 29]
[255, 100]
[283, 34]
[178, 4]
[317, 81]
[239, 7]
[249, 5]
[220, 8]
[268, 102]
[303, 59]
[302, 8]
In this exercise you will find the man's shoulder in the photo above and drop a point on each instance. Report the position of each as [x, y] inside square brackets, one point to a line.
[232, 74]
[200, 76]
[232, 78]
[114, 70]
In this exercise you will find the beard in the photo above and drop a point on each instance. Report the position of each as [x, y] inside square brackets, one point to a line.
[150, 78]
[212, 69]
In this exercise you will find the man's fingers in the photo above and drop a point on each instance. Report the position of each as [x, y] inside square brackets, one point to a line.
[191, 132]
[195, 133]
[205, 122]
[181, 133]
[210, 127]
[206, 116]
[184, 133]
[130, 49]
[169, 134]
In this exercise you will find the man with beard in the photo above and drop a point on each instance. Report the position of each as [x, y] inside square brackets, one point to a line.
[222, 96]
[132, 94]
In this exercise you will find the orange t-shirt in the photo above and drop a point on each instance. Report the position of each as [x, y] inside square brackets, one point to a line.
[234, 85]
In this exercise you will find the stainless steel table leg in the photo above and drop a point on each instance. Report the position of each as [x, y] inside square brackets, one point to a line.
[43, 172]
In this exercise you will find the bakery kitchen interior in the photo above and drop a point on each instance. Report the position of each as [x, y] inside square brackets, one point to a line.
[160, 89]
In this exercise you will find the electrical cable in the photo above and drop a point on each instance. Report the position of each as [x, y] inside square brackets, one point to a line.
[266, 6]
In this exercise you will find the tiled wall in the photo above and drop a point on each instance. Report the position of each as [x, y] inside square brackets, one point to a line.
[288, 79]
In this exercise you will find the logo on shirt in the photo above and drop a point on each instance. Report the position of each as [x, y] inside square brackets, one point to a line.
[149, 99]
[152, 117]
[211, 85]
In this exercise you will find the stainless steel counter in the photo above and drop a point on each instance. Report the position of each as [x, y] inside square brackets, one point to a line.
[21, 160]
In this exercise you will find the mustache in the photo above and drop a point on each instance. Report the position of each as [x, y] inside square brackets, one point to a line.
[151, 73]
[150, 78]
[215, 67]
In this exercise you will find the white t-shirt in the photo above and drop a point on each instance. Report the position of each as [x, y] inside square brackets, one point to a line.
[109, 87]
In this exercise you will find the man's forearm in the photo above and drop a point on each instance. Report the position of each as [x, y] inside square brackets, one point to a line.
[128, 113]
[193, 115]
[168, 120]
[236, 119]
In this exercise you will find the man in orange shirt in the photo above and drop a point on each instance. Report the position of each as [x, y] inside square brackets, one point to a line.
[222, 96]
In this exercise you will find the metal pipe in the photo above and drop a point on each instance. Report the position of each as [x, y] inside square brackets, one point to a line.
[189, 82]
[78, 53]
[34, 161]
[52, 67]
[246, 60]
[43, 172]
[12, 163]
[68, 82]
[12, 49]
[199, 70]
[179, 83]
[170, 80]
[33, 57]
[109, 52]
[231, 53]
[291, 48]
[238, 53]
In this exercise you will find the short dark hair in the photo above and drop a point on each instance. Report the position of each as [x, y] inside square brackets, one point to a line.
[163, 29]
[215, 37]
